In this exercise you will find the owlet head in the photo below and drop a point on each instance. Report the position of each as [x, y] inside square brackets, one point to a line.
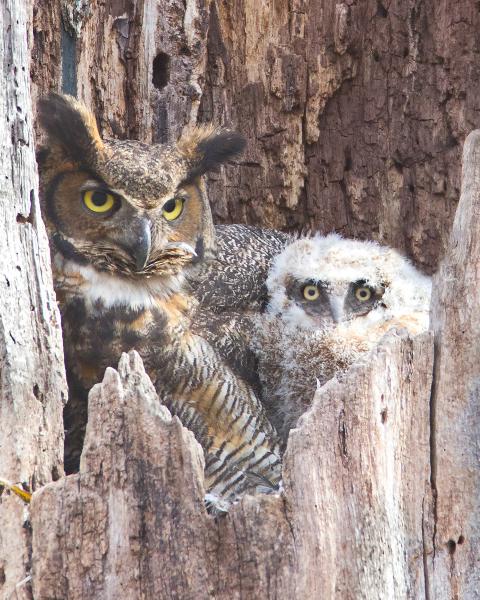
[125, 207]
[322, 281]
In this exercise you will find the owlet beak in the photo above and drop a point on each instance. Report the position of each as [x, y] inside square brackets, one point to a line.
[336, 308]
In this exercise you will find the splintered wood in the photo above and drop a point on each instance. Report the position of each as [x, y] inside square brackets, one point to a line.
[350, 523]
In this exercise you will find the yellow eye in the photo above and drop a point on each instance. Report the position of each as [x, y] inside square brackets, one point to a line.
[173, 208]
[363, 294]
[98, 201]
[311, 292]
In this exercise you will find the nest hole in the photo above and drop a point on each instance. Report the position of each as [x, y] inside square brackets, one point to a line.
[161, 70]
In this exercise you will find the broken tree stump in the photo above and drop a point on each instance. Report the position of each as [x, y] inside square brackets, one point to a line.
[32, 378]
[349, 524]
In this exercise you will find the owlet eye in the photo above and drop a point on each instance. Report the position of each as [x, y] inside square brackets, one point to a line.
[173, 208]
[98, 201]
[311, 292]
[363, 294]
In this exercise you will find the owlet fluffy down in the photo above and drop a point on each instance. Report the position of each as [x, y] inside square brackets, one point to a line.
[331, 300]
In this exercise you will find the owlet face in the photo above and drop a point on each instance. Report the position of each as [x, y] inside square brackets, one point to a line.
[323, 281]
[123, 207]
[326, 302]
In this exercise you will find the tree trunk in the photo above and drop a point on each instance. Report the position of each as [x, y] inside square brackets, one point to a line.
[354, 521]
[354, 114]
[32, 379]
[456, 397]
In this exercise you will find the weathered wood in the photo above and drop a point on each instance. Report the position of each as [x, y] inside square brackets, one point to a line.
[138, 65]
[32, 379]
[356, 478]
[132, 524]
[350, 525]
[455, 570]
[355, 113]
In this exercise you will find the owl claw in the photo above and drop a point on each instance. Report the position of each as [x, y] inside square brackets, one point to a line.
[216, 506]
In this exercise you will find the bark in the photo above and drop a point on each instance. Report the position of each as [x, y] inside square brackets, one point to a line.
[456, 396]
[355, 113]
[32, 379]
[132, 523]
[352, 523]
[138, 65]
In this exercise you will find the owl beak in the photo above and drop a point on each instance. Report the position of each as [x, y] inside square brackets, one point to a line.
[143, 244]
[336, 308]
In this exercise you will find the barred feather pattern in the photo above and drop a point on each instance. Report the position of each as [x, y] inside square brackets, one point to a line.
[241, 447]
[231, 293]
[120, 271]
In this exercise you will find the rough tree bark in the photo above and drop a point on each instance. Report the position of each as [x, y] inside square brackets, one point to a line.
[355, 112]
[32, 379]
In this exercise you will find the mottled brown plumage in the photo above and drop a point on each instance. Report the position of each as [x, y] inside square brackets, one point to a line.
[127, 222]
[231, 291]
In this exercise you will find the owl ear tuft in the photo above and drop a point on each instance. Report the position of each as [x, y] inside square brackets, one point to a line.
[207, 148]
[69, 123]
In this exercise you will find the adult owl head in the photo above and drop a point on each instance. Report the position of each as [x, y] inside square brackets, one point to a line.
[126, 208]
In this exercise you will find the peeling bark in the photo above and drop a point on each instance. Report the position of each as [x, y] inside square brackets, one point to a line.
[138, 65]
[355, 115]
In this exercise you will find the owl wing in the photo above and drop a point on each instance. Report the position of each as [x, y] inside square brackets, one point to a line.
[231, 292]
[235, 277]
[241, 447]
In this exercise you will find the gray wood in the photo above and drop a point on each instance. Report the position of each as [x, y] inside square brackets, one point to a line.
[455, 571]
[349, 525]
[32, 379]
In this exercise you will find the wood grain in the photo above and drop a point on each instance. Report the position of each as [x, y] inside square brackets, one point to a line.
[456, 396]
[32, 378]
[350, 524]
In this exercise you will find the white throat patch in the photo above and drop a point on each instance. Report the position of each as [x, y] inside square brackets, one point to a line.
[112, 290]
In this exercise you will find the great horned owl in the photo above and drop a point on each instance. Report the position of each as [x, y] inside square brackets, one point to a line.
[331, 301]
[127, 221]
[231, 291]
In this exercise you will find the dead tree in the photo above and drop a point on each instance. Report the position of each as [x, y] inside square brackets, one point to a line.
[32, 379]
[355, 115]
[371, 505]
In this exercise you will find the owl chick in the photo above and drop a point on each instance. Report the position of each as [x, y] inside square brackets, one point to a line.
[331, 301]
[127, 221]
